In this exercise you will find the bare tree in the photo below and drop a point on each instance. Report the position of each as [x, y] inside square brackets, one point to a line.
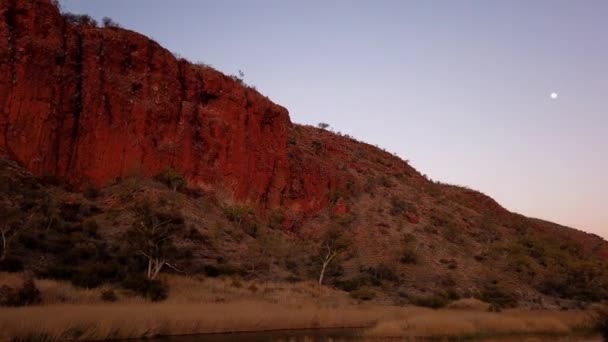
[333, 243]
[10, 223]
[152, 235]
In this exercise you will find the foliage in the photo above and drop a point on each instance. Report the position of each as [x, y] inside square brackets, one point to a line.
[173, 179]
[108, 22]
[364, 293]
[400, 206]
[153, 289]
[108, 296]
[408, 255]
[334, 242]
[600, 320]
[317, 146]
[276, 219]
[381, 273]
[80, 19]
[238, 214]
[91, 192]
[497, 296]
[435, 300]
[27, 294]
[152, 235]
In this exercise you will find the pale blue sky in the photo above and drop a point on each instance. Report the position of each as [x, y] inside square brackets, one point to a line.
[460, 88]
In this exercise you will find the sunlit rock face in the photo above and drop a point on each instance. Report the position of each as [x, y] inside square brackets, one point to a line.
[88, 105]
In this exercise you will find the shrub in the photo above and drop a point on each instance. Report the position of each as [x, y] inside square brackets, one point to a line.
[173, 179]
[400, 207]
[214, 271]
[238, 214]
[157, 291]
[435, 301]
[11, 264]
[349, 285]
[108, 22]
[408, 256]
[323, 125]
[154, 290]
[252, 228]
[498, 297]
[108, 296]
[8, 296]
[600, 320]
[81, 20]
[91, 193]
[28, 294]
[276, 219]
[317, 146]
[364, 293]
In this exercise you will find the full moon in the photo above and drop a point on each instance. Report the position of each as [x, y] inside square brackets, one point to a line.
[553, 96]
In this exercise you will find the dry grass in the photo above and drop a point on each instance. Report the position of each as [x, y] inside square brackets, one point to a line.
[97, 322]
[419, 322]
[231, 304]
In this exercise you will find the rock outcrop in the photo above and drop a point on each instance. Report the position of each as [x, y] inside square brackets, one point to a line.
[88, 105]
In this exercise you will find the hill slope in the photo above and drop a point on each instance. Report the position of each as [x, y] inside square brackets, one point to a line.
[86, 107]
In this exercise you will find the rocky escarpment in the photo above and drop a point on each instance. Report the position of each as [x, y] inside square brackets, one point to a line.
[88, 105]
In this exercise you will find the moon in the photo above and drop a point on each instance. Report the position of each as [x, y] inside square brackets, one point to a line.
[553, 96]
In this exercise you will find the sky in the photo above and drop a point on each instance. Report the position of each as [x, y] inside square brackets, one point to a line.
[461, 89]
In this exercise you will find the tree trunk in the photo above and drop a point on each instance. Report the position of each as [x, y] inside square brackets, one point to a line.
[158, 265]
[149, 274]
[4, 245]
[330, 255]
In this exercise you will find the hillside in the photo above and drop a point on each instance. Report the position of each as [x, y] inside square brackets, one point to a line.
[100, 125]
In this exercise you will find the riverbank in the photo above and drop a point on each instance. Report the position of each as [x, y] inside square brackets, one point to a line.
[114, 321]
[199, 306]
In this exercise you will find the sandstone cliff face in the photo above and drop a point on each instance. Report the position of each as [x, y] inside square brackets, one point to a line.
[88, 105]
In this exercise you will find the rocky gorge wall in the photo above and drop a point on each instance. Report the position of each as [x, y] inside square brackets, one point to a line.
[88, 105]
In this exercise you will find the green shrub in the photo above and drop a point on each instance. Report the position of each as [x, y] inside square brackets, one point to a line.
[238, 214]
[317, 146]
[435, 301]
[363, 293]
[349, 285]
[276, 219]
[154, 290]
[223, 269]
[108, 296]
[498, 297]
[600, 320]
[91, 193]
[27, 294]
[409, 256]
[157, 291]
[381, 273]
[400, 206]
[172, 179]
[252, 228]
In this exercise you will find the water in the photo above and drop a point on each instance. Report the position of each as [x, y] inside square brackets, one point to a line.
[341, 335]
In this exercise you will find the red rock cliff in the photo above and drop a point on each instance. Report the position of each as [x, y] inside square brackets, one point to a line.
[88, 104]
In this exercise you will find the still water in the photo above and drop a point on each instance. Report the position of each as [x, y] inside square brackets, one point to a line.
[342, 335]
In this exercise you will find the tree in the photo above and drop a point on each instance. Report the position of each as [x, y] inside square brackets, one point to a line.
[10, 223]
[172, 179]
[323, 125]
[108, 22]
[333, 243]
[152, 235]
